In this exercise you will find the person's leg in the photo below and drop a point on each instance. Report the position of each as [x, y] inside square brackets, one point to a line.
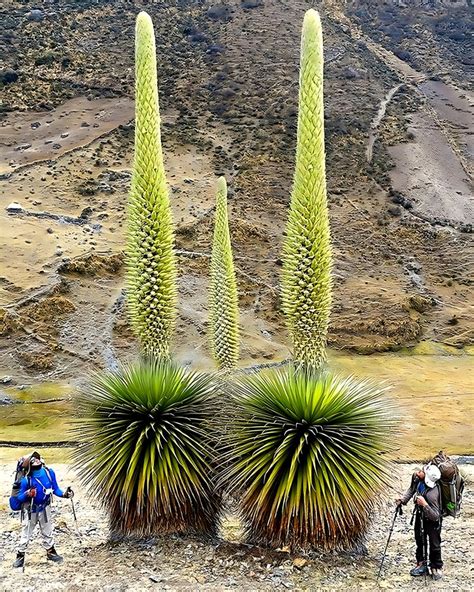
[434, 536]
[419, 553]
[46, 528]
[28, 525]
[420, 568]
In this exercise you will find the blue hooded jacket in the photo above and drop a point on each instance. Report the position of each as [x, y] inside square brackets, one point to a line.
[44, 487]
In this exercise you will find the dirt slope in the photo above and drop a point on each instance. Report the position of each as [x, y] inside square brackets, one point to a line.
[228, 85]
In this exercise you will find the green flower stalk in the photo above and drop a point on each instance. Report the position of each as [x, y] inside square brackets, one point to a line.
[306, 279]
[223, 300]
[151, 265]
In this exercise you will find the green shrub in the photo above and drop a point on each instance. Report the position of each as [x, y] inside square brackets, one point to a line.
[307, 456]
[146, 451]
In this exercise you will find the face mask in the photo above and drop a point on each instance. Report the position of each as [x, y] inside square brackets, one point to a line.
[36, 467]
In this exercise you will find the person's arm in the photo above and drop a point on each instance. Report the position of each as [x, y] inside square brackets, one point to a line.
[54, 484]
[431, 509]
[409, 493]
[24, 489]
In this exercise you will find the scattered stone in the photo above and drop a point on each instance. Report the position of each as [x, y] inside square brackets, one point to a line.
[64, 134]
[248, 4]
[219, 12]
[56, 146]
[35, 15]
[6, 379]
[85, 124]
[14, 208]
[299, 562]
[86, 212]
[22, 147]
[35, 125]
[352, 73]
[394, 211]
[5, 399]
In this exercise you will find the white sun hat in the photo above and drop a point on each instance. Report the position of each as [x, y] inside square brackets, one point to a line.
[432, 475]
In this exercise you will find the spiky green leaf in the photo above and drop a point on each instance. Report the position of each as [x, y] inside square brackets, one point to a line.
[146, 451]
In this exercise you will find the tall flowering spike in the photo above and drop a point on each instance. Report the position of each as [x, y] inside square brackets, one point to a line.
[223, 301]
[306, 279]
[151, 260]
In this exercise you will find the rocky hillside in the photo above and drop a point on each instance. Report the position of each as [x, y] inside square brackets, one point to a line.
[397, 111]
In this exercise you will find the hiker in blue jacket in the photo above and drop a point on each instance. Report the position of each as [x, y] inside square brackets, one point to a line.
[36, 490]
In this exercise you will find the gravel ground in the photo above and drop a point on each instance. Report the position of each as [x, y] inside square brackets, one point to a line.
[91, 562]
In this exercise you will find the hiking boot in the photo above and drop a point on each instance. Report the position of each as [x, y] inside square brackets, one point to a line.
[52, 555]
[419, 570]
[436, 573]
[20, 560]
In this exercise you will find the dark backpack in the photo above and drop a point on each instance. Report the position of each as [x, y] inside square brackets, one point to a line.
[451, 484]
[21, 471]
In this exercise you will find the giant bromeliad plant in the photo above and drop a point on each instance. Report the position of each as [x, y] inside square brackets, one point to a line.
[305, 455]
[147, 453]
[223, 302]
[306, 449]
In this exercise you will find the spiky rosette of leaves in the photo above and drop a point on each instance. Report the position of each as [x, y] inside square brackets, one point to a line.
[306, 278]
[223, 300]
[151, 277]
[147, 452]
[307, 455]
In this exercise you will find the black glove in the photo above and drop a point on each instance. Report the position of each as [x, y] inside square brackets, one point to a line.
[69, 493]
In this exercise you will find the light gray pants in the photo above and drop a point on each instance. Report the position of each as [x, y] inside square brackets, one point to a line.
[45, 522]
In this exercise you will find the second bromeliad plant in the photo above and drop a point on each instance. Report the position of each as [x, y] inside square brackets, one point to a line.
[302, 449]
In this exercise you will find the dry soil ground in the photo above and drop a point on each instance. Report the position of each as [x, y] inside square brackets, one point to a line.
[226, 563]
[228, 85]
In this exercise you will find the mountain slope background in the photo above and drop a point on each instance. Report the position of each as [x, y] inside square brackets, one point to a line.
[399, 157]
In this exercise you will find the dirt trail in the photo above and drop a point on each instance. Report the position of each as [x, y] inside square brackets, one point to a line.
[378, 120]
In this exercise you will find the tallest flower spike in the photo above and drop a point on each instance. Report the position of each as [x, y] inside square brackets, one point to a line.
[151, 262]
[307, 259]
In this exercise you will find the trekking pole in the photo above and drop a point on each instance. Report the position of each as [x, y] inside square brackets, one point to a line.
[28, 515]
[73, 510]
[425, 544]
[398, 510]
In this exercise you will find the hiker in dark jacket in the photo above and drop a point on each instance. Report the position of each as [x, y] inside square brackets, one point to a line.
[428, 519]
[36, 490]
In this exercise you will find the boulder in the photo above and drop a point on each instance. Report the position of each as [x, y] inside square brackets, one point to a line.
[8, 76]
[35, 15]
